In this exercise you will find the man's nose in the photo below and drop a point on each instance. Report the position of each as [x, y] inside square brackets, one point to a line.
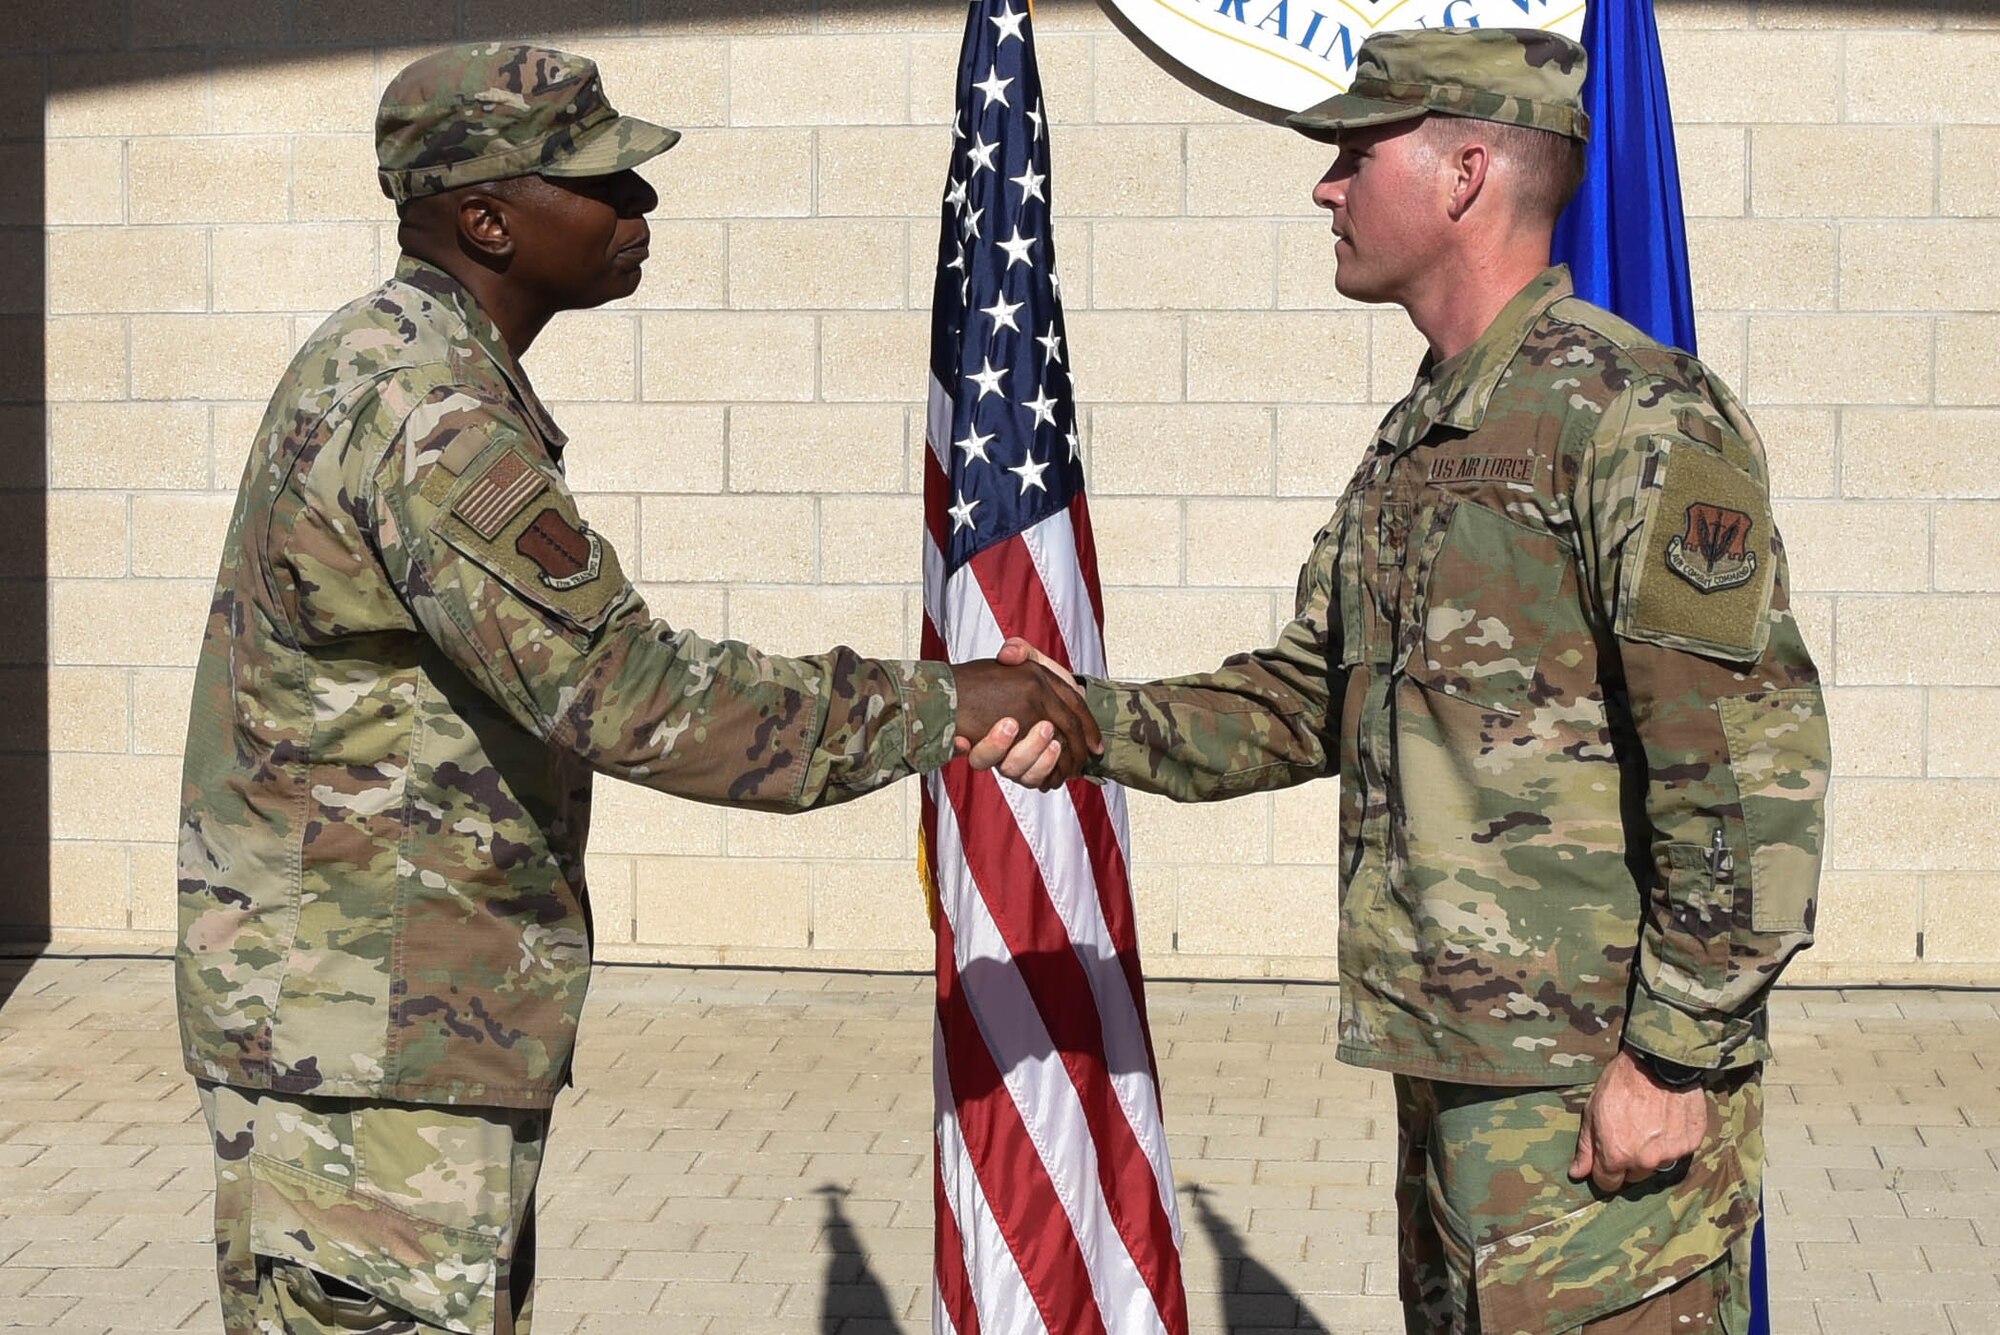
[637, 197]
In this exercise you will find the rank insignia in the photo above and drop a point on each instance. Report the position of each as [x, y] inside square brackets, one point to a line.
[1713, 551]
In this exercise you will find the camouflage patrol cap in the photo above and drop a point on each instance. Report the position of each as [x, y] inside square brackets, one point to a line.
[1515, 76]
[487, 112]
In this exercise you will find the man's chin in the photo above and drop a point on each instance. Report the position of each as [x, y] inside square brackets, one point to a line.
[617, 287]
[1355, 287]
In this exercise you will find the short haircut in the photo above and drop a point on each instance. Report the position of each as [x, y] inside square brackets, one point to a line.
[1547, 168]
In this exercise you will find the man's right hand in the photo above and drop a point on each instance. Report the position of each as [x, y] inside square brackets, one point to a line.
[1018, 650]
[991, 691]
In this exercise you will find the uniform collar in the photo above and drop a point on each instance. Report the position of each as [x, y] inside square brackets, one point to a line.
[1455, 392]
[478, 329]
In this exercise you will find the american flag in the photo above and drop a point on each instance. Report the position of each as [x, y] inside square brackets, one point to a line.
[1055, 1196]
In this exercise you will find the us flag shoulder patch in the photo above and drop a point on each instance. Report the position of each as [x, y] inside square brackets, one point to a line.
[498, 494]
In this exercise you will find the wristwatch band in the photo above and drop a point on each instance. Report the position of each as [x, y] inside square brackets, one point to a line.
[1672, 1074]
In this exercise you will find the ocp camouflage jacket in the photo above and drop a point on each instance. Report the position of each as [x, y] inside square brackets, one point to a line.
[1583, 755]
[416, 656]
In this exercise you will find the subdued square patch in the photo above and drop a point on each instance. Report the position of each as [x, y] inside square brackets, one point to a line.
[1700, 573]
[498, 494]
[1697, 425]
[543, 552]
[462, 453]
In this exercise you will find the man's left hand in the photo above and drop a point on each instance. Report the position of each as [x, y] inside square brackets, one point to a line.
[1634, 1126]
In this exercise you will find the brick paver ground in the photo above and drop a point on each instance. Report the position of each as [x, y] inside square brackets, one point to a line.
[748, 1152]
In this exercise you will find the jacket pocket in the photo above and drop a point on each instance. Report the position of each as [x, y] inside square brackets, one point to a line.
[1487, 591]
[1779, 755]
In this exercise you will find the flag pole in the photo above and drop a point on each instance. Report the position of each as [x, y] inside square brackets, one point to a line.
[1053, 1182]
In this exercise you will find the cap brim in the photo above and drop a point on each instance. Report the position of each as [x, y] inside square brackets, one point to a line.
[617, 145]
[1345, 111]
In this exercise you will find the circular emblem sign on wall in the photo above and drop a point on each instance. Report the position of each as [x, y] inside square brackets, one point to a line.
[1289, 54]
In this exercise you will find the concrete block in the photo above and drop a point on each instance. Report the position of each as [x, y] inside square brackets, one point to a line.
[703, 539]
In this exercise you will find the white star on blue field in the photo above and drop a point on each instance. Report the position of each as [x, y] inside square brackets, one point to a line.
[999, 347]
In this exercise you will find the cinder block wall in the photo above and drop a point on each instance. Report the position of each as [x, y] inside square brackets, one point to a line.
[747, 428]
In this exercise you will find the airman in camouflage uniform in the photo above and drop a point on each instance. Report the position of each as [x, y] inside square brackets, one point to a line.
[1545, 642]
[417, 655]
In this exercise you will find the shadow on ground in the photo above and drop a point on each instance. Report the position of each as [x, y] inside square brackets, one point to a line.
[12, 971]
[852, 1300]
[1253, 1297]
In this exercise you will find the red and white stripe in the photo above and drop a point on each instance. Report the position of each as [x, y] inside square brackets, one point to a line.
[1055, 1193]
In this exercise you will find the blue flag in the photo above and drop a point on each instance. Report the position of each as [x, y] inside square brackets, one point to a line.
[1625, 237]
[1625, 240]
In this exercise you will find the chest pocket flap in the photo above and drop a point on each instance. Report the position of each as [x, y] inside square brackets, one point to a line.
[1488, 585]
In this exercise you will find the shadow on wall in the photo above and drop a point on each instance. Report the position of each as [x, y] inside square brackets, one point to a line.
[24, 640]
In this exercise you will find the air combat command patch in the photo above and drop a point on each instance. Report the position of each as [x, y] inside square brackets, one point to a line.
[1713, 552]
[1698, 576]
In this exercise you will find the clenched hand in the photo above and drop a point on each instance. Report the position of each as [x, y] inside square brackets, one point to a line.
[1634, 1126]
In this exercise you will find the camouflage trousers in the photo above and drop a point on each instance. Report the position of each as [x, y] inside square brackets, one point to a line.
[363, 1215]
[1494, 1238]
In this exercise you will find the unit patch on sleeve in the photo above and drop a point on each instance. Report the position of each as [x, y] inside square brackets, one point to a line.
[567, 555]
[521, 526]
[1698, 575]
[498, 494]
[1713, 552]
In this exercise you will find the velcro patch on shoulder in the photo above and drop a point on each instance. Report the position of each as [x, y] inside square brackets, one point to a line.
[529, 535]
[1699, 573]
[462, 452]
[1714, 434]
[1693, 423]
[501, 491]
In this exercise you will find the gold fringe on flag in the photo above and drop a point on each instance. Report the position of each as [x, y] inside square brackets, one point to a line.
[927, 877]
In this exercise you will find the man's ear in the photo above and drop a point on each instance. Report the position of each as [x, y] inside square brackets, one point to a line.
[1468, 166]
[484, 229]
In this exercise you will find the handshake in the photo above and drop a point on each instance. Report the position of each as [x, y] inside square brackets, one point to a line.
[1023, 714]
